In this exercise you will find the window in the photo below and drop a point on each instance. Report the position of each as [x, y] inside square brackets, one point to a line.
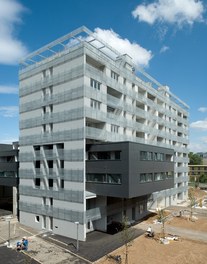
[95, 84]
[50, 91]
[44, 222]
[37, 164]
[146, 155]
[169, 174]
[50, 72]
[44, 200]
[50, 164]
[159, 176]
[44, 128]
[37, 182]
[36, 148]
[37, 219]
[158, 156]
[141, 208]
[43, 74]
[114, 128]
[146, 177]
[50, 183]
[117, 155]
[51, 108]
[43, 93]
[44, 110]
[62, 183]
[104, 155]
[114, 75]
[104, 178]
[95, 104]
[51, 201]
[51, 127]
[62, 164]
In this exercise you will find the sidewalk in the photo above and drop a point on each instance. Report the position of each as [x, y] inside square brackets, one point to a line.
[39, 250]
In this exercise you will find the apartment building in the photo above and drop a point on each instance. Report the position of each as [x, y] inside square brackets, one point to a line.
[195, 171]
[98, 140]
[9, 177]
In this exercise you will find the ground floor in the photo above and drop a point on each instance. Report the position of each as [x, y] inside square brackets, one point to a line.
[113, 211]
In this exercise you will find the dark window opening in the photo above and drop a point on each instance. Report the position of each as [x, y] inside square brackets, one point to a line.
[62, 184]
[37, 164]
[37, 182]
[50, 183]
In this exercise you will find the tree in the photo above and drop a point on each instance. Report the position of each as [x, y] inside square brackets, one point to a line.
[192, 198]
[203, 178]
[195, 159]
[127, 235]
[162, 218]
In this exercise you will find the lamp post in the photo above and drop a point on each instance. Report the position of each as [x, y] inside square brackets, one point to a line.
[8, 219]
[77, 243]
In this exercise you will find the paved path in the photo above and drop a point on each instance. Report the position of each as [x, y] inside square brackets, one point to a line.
[98, 244]
[10, 256]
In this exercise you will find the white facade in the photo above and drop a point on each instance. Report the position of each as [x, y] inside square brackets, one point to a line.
[77, 92]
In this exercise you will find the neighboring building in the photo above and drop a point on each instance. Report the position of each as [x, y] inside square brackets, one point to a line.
[97, 142]
[9, 177]
[203, 155]
[195, 171]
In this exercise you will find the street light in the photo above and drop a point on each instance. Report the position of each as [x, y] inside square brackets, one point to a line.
[8, 219]
[77, 244]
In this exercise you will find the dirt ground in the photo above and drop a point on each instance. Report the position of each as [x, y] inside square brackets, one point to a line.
[146, 250]
[184, 251]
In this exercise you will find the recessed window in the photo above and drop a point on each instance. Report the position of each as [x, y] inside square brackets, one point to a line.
[95, 84]
[36, 148]
[44, 128]
[37, 219]
[146, 177]
[37, 164]
[114, 75]
[104, 178]
[50, 183]
[114, 128]
[50, 164]
[37, 182]
[95, 104]
[44, 200]
[62, 184]
[51, 201]
[62, 164]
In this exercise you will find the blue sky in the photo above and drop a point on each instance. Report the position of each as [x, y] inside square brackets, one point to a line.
[168, 38]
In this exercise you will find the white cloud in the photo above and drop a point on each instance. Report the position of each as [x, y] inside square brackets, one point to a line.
[170, 11]
[164, 49]
[8, 89]
[200, 124]
[198, 146]
[202, 109]
[140, 55]
[9, 140]
[11, 49]
[9, 111]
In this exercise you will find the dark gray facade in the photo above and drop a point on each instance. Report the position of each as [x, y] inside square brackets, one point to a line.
[8, 165]
[9, 177]
[130, 167]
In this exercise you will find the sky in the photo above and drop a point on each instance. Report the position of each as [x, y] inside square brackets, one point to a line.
[166, 38]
